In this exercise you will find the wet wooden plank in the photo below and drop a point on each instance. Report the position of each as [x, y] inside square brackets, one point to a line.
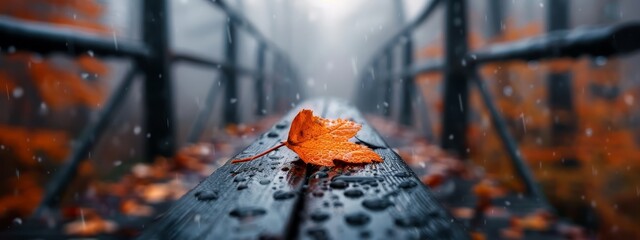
[373, 201]
[251, 200]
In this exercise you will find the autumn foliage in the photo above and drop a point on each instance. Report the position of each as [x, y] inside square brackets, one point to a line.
[603, 147]
[35, 130]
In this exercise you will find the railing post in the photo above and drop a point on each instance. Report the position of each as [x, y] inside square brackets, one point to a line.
[378, 86]
[369, 84]
[408, 85]
[229, 76]
[159, 117]
[455, 78]
[276, 93]
[563, 118]
[260, 88]
[388, 83]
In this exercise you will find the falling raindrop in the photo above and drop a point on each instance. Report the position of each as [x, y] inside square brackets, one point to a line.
[507, 91]
[601, 61]
[17, 92]
[137, 130]
[588, 132]
[628, 99]
[44, 109]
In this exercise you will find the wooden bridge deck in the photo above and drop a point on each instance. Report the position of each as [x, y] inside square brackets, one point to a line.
[280, 197]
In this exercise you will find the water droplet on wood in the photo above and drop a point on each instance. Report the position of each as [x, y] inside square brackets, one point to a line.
[318, 233]
[376, 204]
[353, 193]
[247, 212]
[410, 221]
[206, 195]
[357, 219]
[407, 184]
[320, 175]
[265, 181]
[282, 125]
[319, 216]
[339, 184]
[275, 156]
[283, 195]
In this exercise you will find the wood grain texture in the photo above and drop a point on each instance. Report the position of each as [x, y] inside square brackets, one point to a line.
[372, 201]
[251, 200]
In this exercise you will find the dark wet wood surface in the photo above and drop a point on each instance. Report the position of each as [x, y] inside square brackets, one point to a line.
[372, 201]
[279, 197]
[250, 200]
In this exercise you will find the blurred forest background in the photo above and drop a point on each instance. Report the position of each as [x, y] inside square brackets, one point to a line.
[589, 168]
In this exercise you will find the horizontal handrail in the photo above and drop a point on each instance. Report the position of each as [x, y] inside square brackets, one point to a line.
[197, 60]
[605, 41]
[595, 42]
[241, 21]
[423, 67]
[43, 38]
[90, 134]
[407, 29]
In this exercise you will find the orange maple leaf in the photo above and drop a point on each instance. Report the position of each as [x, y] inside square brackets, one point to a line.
[320, 141]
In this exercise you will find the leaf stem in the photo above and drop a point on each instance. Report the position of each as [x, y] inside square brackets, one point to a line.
[259, 155]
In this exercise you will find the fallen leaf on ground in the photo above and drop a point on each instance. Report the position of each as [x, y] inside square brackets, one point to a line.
[320, 141]
[134, 208]
[90, 225]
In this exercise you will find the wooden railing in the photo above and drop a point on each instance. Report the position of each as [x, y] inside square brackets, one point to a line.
[152, 57]
[459, 67]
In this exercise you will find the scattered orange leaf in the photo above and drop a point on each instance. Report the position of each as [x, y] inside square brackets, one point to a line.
[90, 225]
